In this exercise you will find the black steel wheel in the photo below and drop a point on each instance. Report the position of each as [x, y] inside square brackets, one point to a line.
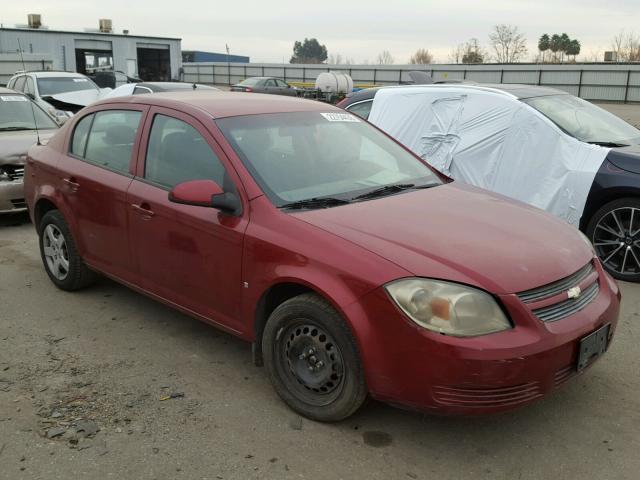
[614, 231]
[312, 359]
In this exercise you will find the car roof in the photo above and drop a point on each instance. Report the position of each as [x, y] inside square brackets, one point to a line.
[52, 73]
[221, 104]
[169, 86]
[519, 91]
[514, 90]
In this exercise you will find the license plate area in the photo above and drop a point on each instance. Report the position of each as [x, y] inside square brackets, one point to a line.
[592, 346]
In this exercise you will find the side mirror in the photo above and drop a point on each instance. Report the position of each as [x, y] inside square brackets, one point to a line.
[205, 193]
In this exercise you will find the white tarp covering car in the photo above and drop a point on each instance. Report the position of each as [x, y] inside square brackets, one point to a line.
[486, 137]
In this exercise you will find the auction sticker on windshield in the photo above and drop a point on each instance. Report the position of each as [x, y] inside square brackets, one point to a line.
[13, 98]
[340, 117]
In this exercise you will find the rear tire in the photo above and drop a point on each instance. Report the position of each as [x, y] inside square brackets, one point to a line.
[614, 231]
[313, 360]
[60, 256]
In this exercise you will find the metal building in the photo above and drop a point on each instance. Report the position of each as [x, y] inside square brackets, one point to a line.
[149, 58]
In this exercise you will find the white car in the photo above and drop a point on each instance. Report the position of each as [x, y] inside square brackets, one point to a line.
[60, 93]
[143, 88]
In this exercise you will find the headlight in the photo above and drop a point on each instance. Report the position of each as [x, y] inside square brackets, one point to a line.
[4, 176]
[588, 242]
[448, 308]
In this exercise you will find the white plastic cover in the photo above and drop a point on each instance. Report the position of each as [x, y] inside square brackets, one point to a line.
[490, 139]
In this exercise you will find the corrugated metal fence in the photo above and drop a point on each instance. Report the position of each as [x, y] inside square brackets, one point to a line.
[591, 81]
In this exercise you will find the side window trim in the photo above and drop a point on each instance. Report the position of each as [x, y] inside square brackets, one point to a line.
[75, 127]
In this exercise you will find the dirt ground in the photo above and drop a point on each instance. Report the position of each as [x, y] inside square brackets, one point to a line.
[83, 377]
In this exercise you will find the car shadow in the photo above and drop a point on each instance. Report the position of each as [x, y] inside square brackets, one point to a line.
[14, 219]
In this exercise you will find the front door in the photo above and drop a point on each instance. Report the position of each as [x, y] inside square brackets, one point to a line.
[189, 255]
[95, 175]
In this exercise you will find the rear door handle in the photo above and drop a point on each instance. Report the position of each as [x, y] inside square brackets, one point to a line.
[144, 209]
[73, 185]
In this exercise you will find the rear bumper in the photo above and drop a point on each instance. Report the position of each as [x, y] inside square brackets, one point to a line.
[12, 197]
[415, 368]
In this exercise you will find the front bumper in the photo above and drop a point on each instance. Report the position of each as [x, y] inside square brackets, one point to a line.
[12, 197]
[409, 366]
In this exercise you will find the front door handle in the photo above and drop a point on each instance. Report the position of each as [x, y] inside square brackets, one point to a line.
[144, 209]
[71, 182]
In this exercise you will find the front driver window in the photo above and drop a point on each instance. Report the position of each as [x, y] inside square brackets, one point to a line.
[178, 153]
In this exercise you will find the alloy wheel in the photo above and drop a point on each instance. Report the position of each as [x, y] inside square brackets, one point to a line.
[55, 252]
[616, 239]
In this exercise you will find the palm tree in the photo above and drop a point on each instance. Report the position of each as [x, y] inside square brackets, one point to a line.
[554, 45]
[544, 44]
[565, 41]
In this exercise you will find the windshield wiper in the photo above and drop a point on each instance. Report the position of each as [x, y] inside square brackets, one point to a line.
[311, 203]
[609, 144]
[14, 129]
[383, 191]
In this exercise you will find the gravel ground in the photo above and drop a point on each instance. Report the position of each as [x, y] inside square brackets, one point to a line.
[84, 378]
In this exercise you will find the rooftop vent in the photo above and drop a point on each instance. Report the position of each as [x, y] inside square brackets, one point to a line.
[106, 25]
[35, 20]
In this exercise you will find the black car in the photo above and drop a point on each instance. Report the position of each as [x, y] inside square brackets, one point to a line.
[272, 85]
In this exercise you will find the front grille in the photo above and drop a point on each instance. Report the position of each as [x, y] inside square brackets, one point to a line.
[19, 203]
[15, 172]
[568, 307]
[555, 288]
[486, 397]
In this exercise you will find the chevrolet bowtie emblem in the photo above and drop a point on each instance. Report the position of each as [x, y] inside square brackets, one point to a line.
[574, 292]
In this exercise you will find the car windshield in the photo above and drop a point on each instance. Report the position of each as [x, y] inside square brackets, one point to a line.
[585, 121]
[57, 85]
[16, 114]
[249, 82]
[313, 155]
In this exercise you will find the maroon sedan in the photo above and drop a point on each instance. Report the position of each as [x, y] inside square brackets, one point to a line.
[353, 267]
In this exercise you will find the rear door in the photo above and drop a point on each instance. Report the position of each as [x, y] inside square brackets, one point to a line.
[94, 177]
[189, 255]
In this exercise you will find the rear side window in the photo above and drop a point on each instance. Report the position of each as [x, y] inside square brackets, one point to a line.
[111, 138]
[362, 109]
[80, 134]
[178, 153]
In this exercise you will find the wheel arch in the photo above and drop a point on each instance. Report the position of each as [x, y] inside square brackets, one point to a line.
[601, 198]
[275, 295]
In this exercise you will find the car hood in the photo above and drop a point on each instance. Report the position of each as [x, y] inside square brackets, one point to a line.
[80, 98]
[14, 145]
[461, 233]
[626, 158]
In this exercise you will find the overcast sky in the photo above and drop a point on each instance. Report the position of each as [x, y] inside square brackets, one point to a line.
[360, 30]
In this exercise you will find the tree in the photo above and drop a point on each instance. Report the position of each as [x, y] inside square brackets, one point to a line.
[309, 51]
[565, 41]
[473, 52]
[543, 45]
[627, 47]
[455, 56]
[385, 58]
[555, 45]
[573, 49]
[422, 57]
[509, 45]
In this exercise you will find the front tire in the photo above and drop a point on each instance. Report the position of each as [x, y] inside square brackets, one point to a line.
[614, 231]
[60, 256]
[313, 360]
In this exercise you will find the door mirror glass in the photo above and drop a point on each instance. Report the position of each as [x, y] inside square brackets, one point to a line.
[195, 192]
